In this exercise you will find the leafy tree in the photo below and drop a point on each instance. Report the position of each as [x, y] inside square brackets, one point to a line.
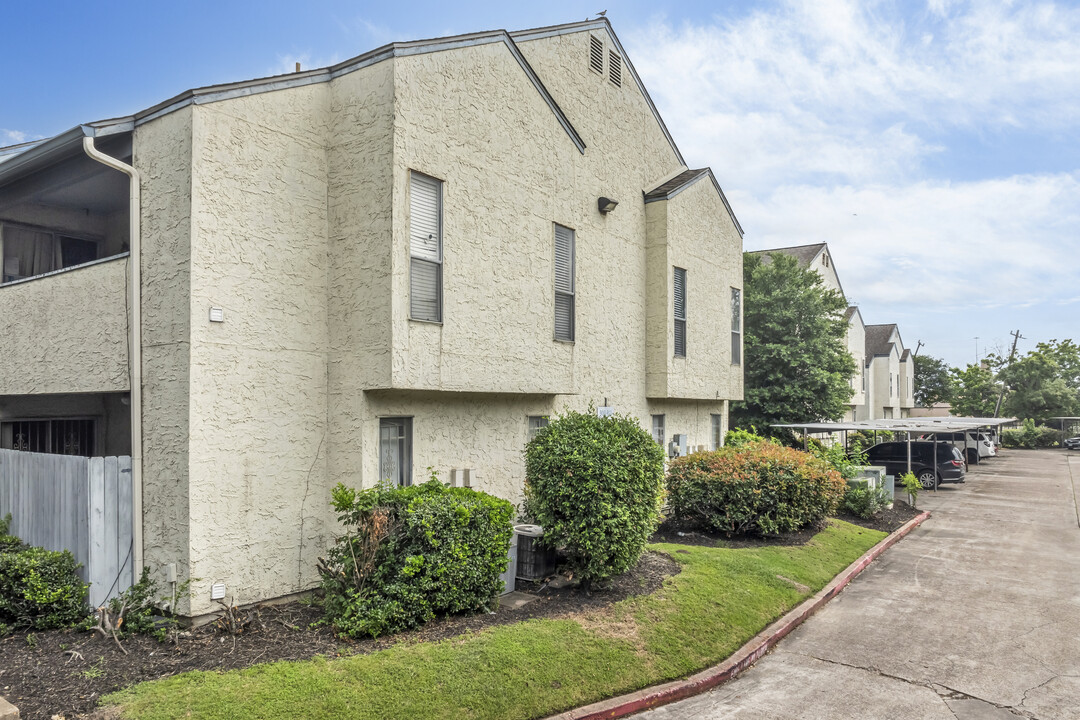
[1066, 354]
[1037, 389]
[974, 391]
[797, 366]
[932, 381]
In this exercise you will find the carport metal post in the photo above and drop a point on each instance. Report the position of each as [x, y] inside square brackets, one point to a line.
[933, 455]
[966, 456]
[909, 451]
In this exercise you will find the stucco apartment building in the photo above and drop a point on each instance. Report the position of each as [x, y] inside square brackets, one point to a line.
[883, 385]
[404, 261]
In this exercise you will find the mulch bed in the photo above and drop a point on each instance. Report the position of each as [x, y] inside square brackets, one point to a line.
[40, 675]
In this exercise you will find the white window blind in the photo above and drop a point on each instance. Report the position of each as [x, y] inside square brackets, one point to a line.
[658, 428]
[717, 432]
[680, 312]
[564, 283]
[536, 424]
[736, 326]
[425, 248]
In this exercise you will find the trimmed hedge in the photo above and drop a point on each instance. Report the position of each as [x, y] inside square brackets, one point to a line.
[412, 553]
[39, 589]
[596, 486]
[758, 488]
[1031, 436]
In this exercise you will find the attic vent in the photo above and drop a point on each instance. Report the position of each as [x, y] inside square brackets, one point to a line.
[596, 54]
[825, 260]
[615, 68]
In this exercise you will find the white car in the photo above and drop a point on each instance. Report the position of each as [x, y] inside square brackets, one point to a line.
[979, 442]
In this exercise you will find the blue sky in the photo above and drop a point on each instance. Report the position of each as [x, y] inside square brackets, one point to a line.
[934, 145]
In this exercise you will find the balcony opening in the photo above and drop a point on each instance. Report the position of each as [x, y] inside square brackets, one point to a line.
[66, 215]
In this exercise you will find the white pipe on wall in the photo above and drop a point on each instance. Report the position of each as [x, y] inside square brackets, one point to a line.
[135, 333]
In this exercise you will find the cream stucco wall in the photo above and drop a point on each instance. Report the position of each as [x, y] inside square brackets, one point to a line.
[856, 345]
[162, 154]
[290, 211]
[258, 380]
[66, 332]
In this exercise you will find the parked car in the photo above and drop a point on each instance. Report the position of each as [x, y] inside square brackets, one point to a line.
[977, 442]
[1072, 443]
[930, 461]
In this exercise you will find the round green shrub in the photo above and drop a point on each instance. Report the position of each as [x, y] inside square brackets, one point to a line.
[596, 486]
[412, 553]
[757, 488]
[40, 589]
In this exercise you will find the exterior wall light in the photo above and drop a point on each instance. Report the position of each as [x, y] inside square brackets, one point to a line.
[605, 205]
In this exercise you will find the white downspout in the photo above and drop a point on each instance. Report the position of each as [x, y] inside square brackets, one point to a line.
[135, 331]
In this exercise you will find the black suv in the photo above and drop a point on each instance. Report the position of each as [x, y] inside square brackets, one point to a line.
[949, 467]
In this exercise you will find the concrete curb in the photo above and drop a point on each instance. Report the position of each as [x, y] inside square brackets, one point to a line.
[745, 656]
[8, 711]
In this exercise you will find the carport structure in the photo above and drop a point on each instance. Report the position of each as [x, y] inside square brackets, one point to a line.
[1066, 421]
[909, 426]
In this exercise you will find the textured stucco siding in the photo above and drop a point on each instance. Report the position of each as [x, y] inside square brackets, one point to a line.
[882, 398]
[699, 237]
[258, 494]
[162, 154]
[360, 183]
[65, 333]
[487, 433]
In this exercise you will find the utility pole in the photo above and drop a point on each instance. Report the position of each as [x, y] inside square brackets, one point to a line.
[917, 346]
[1016, 337]
[976, 349]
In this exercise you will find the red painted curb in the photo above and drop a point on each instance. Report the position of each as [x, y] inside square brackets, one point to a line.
[745, 656]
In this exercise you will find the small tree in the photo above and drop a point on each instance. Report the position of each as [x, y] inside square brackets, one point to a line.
[596, 486]
[932, 381]
[797, 364]
[974, 391]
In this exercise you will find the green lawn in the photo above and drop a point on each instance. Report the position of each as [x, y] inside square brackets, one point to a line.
[721, 599]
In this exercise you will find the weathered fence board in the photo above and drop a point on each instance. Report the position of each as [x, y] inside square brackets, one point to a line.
[83, 505]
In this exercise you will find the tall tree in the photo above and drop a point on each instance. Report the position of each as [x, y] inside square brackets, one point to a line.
[1038, 388]
[974, 391]
[932, 381]
[797, 366]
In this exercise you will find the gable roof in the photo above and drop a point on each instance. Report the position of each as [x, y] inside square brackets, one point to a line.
[805, 254]
[670, 188]
[906, 356]
[19, 160]
[605, 24]
[877, 339]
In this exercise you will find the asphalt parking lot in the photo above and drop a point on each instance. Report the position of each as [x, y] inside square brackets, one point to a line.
[974, 616]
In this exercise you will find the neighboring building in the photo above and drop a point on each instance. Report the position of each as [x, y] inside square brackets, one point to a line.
[883, 386]
[892, 372]
[405, 261]
[935, 410]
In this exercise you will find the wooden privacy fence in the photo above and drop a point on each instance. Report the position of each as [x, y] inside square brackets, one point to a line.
[83, 505]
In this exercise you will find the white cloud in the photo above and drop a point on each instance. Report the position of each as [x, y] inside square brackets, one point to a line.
[12, 137]
[822, 117]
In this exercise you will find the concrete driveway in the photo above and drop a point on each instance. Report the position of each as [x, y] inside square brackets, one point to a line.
[975, 615]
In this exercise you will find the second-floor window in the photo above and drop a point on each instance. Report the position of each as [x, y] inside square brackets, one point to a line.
[425, 248]
[680, 312]
[564, 283]
[736, 326]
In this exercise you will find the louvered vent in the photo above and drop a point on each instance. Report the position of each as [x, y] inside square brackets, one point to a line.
[596, 54]
[615, 68]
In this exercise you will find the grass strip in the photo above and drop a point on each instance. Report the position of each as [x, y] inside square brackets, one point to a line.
[721, 599]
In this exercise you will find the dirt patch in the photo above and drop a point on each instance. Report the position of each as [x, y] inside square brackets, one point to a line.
[65, 672]
[885, 520]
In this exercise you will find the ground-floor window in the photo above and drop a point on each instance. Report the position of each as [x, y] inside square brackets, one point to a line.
[395, 450]
[717, 432]
[658, 429]
[536, 424]
[55, 436]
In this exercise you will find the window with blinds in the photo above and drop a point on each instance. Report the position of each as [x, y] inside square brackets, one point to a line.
[717, 432]
[536, 424]
[596, 54]
[564, 283]
[680, 312]
[425, 248]
[658, 429]
[615, 68]
[736, 326]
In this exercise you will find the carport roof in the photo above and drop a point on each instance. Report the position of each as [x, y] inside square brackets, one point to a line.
[919, 425]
